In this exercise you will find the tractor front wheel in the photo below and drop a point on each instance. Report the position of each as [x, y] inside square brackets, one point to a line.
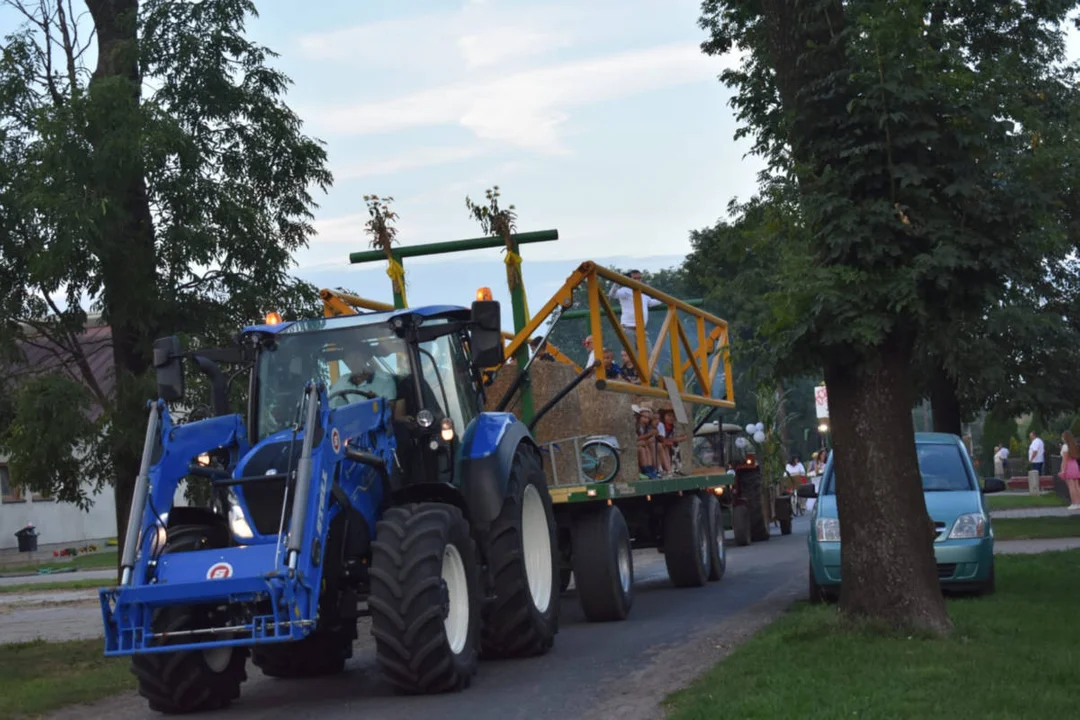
[523, 555]
[425, 598]
[191, 680]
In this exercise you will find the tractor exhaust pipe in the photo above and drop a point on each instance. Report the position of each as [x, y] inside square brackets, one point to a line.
[303, 481]
[138, 498]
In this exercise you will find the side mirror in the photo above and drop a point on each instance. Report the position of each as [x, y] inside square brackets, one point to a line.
[169, 367]
[485, 336]
[806, 491]
[993, 485]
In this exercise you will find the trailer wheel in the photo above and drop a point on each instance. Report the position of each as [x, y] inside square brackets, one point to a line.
[603, 565]
[192, 680]
[686, 541]
[425, 603]
[740, 524]
[523, 556]
[717, 542]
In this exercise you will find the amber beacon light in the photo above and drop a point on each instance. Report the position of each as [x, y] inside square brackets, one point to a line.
[483, 294]
[273, 318]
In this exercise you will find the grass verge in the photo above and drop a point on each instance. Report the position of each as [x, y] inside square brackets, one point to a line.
[1036, 528]
[90, 561]
[1013, 654]
[1017, 502]
[53, 586]
[38, 677]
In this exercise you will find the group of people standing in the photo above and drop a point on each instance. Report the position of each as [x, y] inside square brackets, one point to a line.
[1070, 463]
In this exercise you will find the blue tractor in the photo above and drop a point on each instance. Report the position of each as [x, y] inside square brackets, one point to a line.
[363, 479]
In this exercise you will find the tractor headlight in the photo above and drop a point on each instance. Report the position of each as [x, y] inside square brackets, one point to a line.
[447, 430]
[425, 418]
[238, 524]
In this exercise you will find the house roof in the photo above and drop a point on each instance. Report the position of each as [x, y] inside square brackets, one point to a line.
[43, 355]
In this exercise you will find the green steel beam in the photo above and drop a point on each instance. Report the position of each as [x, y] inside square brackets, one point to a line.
[452, 246]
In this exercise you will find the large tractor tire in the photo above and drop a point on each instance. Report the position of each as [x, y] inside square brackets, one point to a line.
[523, 556]
[686, 541]
[192, 680]
[425, 598]
[740, 524]
[603, 564]
[750, 490]
[717, 542]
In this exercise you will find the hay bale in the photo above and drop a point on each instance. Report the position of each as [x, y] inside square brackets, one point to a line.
[609, 413]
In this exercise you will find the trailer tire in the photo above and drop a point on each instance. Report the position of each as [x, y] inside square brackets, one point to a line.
[603, 565]
[717, 541]
[740, 524]
[425, 598]
[686, 541]
[523, 555]
[191, 680]
[750, 490]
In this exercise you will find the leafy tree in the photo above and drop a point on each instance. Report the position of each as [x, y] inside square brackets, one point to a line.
[167, 187]
[906, 128]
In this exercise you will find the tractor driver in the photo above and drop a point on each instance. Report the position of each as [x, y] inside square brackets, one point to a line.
[363, 375]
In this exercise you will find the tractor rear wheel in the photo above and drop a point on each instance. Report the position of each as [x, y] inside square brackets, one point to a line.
[750, 490]
[425, 598]
[191, 680]
[740, 524]
[686, 541]
[523, 553]
[603, 564]
[717, 542]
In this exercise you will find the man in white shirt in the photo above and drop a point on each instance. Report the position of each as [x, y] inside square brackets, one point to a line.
[1036, 452]
[625, 296]
[362, 375]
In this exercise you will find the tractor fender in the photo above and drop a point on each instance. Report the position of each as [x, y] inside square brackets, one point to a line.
[487, 456]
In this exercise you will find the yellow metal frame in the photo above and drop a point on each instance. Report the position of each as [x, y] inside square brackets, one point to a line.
[702, 362]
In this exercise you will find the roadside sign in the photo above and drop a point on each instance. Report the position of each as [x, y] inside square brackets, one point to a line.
[821, 402]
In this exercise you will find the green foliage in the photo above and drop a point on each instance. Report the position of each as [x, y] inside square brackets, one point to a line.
[494, 220]
[172, 205]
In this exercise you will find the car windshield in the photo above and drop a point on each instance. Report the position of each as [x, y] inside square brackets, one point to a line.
[942, 467]
[370, 351]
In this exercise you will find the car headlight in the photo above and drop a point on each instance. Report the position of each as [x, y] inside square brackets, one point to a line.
[828, 530]
[972, 525]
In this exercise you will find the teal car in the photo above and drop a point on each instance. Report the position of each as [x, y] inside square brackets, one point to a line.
[963, 535]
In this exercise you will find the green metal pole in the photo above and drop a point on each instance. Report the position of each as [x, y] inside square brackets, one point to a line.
[521, 319]
[452, 246]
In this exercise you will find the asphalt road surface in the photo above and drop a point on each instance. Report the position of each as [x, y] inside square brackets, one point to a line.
[596, 670]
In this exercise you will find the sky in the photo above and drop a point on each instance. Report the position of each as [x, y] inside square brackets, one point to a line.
[603, 120]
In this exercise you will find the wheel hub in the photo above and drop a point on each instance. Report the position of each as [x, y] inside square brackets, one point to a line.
[536, 548]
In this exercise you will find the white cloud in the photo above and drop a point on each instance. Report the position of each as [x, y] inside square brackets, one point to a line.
[499, 45]
[525, 109]
[411, 159]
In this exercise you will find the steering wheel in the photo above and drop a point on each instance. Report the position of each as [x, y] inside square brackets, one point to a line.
[349, 391]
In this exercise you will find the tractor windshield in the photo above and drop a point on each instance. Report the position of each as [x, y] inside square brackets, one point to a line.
[353, 362]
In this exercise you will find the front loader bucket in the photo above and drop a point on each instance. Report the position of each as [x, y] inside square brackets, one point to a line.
[271, 607]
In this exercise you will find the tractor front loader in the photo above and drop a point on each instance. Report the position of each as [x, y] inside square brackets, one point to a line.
[364, 479]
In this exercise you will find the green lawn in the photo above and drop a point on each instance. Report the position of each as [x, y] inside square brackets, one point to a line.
[52, 586]
[1011, 502]
[89, 561]
[1014, 654]
[38, 677]
[1036, 527]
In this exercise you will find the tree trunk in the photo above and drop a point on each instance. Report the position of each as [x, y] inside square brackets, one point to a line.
[125, 242]
[944, 403]
[887, 565]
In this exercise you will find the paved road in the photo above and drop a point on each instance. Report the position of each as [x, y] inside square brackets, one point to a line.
[104, 575]
[595, 670]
